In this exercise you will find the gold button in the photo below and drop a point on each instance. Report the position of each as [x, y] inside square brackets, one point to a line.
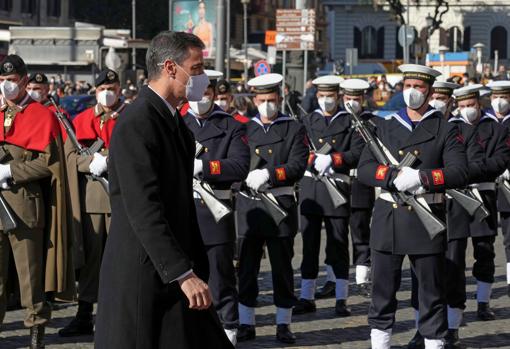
[270, 151]
[257, 151]
[416, 152]
[401, 152]
[206, 149]
[409, 208]
[321, 140]
[395, 206]
[333, 141]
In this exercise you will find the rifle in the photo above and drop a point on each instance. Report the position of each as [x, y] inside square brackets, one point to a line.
[6, 215]
[268, 200]
[470, 203]
[216, 206]
[432, 224]
[504, 186]
[94, 148]
[334, 193]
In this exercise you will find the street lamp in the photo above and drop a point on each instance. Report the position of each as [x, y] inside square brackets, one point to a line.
[429, 21]
[442, 51]
[479, 48]
[245, 20]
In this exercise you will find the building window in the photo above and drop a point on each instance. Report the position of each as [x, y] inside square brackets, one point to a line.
[53, 8]
[499, 42]
[454, 39]
[28, 6]
[5, 5]
[466, 41]
[368, 42]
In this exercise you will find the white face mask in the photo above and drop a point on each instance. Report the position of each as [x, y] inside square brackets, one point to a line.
[10, 90]
[267, 109]
[500, 105]
[106, 98]
[327, 104]
[202, 106]
[195, 86]
[439, 105]
[223, 104]
[35, 95]
[354, 105]
[414, 99]
[469, 114]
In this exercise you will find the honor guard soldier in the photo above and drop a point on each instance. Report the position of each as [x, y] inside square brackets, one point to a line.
[362, 196]
[224, 100]
[224, 158]
[397, 230]
[458, 220]
[279, 149]
[330, 127]
[494, 140]
[500, 103]
[32, 178]
[89, 199]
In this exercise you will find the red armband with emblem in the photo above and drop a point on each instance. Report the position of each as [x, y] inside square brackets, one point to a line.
[337, 158]
[380, 173]
[437, 177]
[215, 167]
[311, 159]
[281, 175]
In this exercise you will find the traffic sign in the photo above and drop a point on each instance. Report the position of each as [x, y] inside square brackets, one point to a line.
[261, 67]
[411, 35]
[270, 37]
[295, 29]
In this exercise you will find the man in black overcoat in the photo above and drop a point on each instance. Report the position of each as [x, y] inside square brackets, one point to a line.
[151, 293]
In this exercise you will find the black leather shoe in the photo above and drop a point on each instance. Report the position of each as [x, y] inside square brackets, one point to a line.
[284, 335]
[37, 337]
[364, 289]
[328, 290]
[417, 342]
[82, 324]
[452, 340]
[304, 306]
[485, 312]
[341, 308]
[245, 333]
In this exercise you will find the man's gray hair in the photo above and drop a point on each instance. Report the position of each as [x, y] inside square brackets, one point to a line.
[169, 45]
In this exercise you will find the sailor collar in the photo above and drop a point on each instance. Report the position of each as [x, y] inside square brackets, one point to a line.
[281, 118]
[402, 117]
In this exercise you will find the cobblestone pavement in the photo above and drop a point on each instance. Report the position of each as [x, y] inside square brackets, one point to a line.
[321, 329]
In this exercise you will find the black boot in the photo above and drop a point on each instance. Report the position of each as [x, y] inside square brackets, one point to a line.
[328, 290]
[452, 340]
[341, 308]
[485, 312]
[82, 324]
[417, 342]
[284, 335]
[37, 337]
[245, 333]
[304, 306]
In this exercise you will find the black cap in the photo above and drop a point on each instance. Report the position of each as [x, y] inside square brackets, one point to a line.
[222, 87]
[38, 78]
[13, 64]
[107, 76]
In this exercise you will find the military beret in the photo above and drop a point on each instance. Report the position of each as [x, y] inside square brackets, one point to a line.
[38, 78]
[107, 76]
[13, 64]
[222, 87]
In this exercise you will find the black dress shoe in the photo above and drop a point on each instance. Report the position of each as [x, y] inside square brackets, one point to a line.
[341, 308]
[365, 289]
[82, 324]
[284, 335]
[452, 340]
[304, 306]
[417, 342]
[245, 333]
[328, 290]
[485, 312]
[37, 337]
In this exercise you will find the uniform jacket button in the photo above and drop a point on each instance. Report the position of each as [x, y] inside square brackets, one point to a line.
[401, 152]
[270, 151]
[395, 206]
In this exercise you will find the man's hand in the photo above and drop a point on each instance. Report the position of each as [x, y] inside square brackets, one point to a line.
[196, 291]
[198, 167]
[257, 178]
[322, 163]
[408, 179]
[98, 165]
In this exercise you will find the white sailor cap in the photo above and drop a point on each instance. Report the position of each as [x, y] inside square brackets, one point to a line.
[445, 88]
[328, 83]
[502, 86]
[419, 72]
[266, 83]
[485, 92]
[354, 87]
[467, 92]
[213, 76]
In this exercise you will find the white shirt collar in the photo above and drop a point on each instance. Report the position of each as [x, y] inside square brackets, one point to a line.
[172, 109]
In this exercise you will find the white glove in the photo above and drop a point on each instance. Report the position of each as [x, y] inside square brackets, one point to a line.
[408, 179]
[419, 191]
[198, 168]
[4, 185]
[322, 163]
[5, 172]
[257, 178]
[506, 175]
[98, 165]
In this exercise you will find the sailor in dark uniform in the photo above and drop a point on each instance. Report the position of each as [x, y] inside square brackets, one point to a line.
[397, 230]
[224, 159]
[279, 150]
[328, 126]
